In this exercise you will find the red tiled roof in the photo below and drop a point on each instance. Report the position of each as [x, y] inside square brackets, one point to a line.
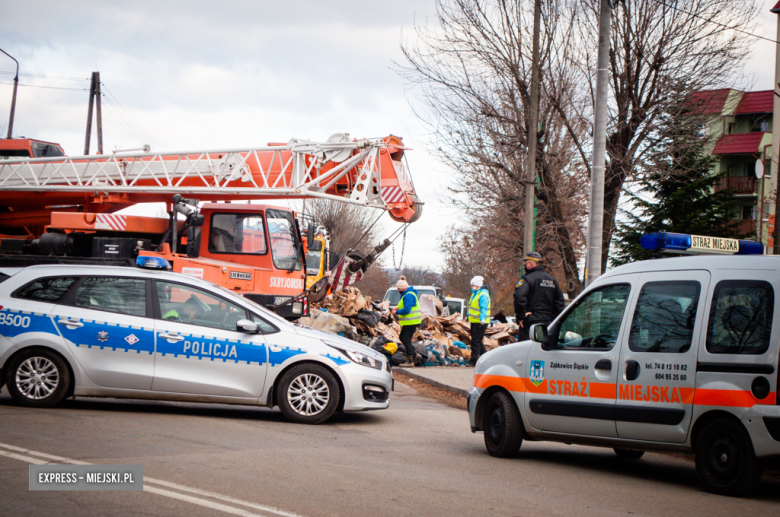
[740, 143]
[756, 102]
[708, 102]
[776, 8]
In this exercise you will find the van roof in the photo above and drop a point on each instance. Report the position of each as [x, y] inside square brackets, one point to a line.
[706, 262]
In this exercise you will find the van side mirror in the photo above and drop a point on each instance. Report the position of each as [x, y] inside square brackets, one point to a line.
[246, 326]
[538, 333]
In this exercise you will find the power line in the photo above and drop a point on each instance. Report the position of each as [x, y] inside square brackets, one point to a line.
[50, 87]
[129, 117]
[42, 76]
[710, 20]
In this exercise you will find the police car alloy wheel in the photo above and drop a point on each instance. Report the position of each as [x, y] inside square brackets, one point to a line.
[38, 377]
[503, 426]
[308, 394]
[725, 458]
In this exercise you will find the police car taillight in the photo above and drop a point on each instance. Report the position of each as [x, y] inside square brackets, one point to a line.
[152, 262]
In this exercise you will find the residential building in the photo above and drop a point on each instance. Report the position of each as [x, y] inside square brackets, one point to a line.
[740, 130]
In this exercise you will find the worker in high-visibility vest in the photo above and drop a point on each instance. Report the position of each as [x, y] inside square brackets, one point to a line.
[409, 317]
[479, 316]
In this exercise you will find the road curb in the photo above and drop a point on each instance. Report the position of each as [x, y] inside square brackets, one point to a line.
[415, 376]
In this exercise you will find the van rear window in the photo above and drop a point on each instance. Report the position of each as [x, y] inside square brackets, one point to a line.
[740, 317]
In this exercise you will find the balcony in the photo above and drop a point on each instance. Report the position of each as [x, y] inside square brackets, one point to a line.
[740, 184]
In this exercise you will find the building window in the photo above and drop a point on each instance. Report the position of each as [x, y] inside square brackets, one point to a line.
[748, 212]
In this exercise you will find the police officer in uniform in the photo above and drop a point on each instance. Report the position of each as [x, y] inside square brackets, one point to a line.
[538, 298]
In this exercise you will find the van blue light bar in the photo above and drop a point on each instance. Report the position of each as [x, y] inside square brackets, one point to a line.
[699, 244]
[152, 262]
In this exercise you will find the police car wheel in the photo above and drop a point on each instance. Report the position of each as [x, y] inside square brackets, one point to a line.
[725, 459]
[503, 427]
[308, 394]
[629, 454]
[38, 378]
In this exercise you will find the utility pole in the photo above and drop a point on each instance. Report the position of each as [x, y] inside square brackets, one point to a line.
[98, 113]
[94, 99]
[533, 126]
[775, 249]
[13, 98]
[596, 218]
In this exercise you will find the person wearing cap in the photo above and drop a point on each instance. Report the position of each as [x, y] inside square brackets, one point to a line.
[537, 297]
[409, 317]
[479, 316]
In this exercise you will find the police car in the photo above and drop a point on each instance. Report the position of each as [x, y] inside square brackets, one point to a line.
[676, 354]
[138, 333]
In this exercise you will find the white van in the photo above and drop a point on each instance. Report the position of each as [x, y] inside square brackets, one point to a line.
[677, 354]
[394, 296]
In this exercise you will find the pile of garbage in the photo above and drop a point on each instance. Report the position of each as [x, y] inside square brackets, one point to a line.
[440, 339]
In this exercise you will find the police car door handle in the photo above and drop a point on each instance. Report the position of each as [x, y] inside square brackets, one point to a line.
[171, 337]
[604, 364]
[71, 324]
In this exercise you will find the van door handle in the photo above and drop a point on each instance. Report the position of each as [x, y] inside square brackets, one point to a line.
[632, 370]
[604, 364]
[71, 324]
[171, 337]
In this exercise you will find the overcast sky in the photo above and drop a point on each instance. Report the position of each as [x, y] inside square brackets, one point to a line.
[198, 74]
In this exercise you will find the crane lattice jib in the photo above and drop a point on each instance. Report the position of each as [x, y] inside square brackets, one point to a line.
[366, 172]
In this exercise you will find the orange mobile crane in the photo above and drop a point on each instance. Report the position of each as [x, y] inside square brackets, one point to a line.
[63, 209]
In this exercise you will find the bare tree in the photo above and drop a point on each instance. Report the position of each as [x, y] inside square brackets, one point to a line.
[471, 72]
[654, 46]
[346, 224]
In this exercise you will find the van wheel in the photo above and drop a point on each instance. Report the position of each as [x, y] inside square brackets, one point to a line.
[503, 426]
[629, 454]
[38, 378]
[725, 459]
[308, 394]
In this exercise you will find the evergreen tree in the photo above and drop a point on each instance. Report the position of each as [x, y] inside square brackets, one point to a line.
[678, 192]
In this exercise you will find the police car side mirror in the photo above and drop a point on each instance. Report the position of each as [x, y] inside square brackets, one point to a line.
[246, 326]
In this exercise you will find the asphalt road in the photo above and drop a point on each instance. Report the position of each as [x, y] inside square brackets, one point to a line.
[417, 458]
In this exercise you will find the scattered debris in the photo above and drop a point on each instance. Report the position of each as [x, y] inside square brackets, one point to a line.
[439, 340]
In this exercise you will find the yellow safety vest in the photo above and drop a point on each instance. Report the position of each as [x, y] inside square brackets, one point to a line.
[474, 310]
[415, 314]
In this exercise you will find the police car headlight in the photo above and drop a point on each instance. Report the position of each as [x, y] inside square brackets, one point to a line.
[358, 357]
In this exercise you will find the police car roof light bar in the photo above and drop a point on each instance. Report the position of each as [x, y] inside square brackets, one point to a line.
[697, 244]
[147, 262]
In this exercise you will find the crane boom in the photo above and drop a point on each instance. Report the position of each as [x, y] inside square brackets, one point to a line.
[368, 172]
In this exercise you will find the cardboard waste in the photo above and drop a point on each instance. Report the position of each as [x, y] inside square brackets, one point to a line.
[439, 340]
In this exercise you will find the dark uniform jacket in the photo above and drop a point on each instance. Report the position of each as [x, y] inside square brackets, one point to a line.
[537, 292]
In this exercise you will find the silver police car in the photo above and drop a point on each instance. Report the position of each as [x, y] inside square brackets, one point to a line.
[138, 333]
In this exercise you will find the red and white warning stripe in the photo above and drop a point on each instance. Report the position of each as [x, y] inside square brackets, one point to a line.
[111, 222]
[342, 276]
[392, 195]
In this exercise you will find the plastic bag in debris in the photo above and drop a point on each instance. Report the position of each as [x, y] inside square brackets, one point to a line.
[370, 318]
[385, 346]
[332, 324]
[398, 358]
[460, 344]
[420, 348]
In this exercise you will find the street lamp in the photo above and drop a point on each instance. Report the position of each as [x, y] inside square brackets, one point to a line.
[13, 99]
